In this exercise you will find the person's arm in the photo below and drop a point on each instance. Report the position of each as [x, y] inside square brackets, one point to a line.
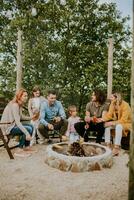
[30, 107]
[68, 128]
[43, 99]
[101, 119]
[24, 117]
[87, 117]
[61, 112]
[16, 115]
[87, 113]
[108, 115]
[43, 114]
[126, 112]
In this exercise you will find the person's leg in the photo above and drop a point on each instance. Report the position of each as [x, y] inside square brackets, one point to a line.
[63, 126]
[33, 141]
[117, 142]
[118, 134]
[77, 137]
[30, 129]
[17, 132]
[80, 129]
[41, 138]
[99, 128]
[43, 130]
[71, 138]
[107, 136]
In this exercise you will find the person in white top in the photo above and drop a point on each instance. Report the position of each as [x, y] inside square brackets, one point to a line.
[34, 105]
[71, 132]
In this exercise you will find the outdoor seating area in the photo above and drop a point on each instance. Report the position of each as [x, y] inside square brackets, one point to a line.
[67, 100]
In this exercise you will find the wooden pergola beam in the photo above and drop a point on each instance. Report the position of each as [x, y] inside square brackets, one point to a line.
[110, 67]
[131, 161]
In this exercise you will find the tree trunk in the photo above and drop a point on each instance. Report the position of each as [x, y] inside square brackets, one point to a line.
[131, 163]
[19, 61]
[110, 67]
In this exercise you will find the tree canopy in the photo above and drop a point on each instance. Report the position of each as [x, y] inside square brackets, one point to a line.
[65, 46]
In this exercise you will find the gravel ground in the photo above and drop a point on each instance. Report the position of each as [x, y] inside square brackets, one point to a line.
[31, 179]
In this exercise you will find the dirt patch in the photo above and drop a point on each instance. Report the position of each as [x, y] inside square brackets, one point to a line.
[31, 179]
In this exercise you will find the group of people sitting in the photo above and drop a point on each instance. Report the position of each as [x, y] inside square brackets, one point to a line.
[47, 114]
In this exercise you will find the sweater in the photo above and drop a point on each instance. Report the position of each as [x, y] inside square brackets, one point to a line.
[124, 116]
[34, 104]
[12, 115]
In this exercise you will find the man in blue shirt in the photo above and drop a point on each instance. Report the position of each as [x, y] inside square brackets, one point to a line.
[52, 116]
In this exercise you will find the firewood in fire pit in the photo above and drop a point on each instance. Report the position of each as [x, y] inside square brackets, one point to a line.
[57, 148]
[75, 149]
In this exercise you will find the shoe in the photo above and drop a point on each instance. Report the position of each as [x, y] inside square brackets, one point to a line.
[108, 145]
[22, 155]
[30, 150]
[115, 151]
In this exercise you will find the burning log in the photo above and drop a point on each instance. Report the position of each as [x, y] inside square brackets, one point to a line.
[75, 149]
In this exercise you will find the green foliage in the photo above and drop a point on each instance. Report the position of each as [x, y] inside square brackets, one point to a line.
[64, 47]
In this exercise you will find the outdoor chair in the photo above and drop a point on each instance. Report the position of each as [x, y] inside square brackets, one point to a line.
[6, 144]
[55, 134]
[125, 140]
[3, 103]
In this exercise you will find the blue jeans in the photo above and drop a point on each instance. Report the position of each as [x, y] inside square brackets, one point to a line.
[15, 131]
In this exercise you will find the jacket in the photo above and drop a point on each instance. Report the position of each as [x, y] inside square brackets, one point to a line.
[124, 116]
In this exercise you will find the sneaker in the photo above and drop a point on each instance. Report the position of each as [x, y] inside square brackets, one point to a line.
[115, 151]
[30, 150]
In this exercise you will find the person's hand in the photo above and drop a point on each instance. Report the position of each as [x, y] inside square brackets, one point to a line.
[57, 119]
[107, 124]
[50, 127]
[94, 119]
[99, 120]
[87, 119]
[28, 137]
[86, 126]
[35, 116]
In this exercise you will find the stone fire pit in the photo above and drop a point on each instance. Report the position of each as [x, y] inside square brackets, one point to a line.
[96, 157]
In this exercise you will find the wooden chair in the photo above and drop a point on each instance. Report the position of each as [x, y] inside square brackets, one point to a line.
[3, 103]
[5, 144]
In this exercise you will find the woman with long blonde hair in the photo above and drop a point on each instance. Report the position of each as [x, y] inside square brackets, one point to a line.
[118, 119]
